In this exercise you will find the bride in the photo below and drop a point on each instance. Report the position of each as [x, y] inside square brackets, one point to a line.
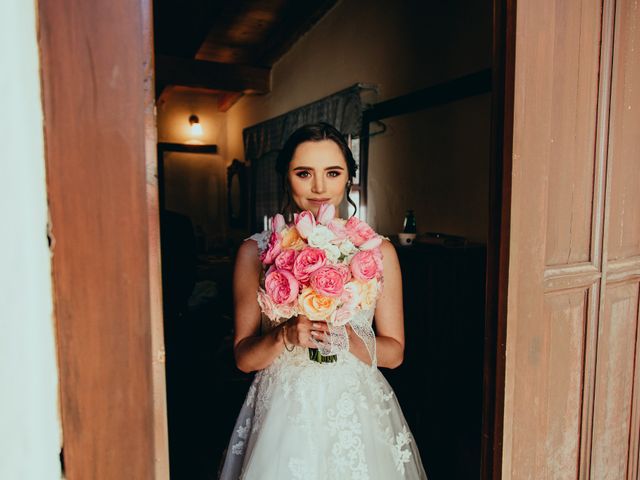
[304, 419]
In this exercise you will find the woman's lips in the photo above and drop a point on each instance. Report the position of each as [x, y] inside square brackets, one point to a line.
[318, 200]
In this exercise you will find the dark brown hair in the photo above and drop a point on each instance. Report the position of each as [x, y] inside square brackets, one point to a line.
[313, 132]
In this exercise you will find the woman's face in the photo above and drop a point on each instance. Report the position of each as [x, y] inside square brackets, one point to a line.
[317, 173]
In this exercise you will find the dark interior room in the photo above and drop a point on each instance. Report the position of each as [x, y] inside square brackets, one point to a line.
[409, 84]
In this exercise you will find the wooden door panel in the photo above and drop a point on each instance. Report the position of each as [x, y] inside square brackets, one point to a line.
[617, 340]
[624, 139]
[572, 59]
[565, 319]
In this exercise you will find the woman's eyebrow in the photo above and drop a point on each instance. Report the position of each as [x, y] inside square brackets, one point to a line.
[335, 167]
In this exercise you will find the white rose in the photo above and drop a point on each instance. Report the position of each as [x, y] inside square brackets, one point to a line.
[320, 236]
[347, 248]
[332, 252]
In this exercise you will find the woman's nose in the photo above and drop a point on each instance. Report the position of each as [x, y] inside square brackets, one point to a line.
[318, 184]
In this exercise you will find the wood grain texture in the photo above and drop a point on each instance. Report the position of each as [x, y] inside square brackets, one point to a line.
[624, 140]
[555, 239]
[96, 74]
[617, 341]
[575, 226]
[572, 58]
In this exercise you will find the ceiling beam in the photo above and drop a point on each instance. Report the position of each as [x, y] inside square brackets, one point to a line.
[211, 75]
[228, 100]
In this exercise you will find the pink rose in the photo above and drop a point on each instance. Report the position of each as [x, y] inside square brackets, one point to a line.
[308, 261]
[305, 222]
[326, 213]
[350, 300]
[337, 226]
[273, 249]
[343, 315]
[277, 223]
[366, 264]
[272, 310]
[281, 286]
[328, 281]
[285, 260]
[372, 243]
[358, 231]
[267, 305]
[345, 271]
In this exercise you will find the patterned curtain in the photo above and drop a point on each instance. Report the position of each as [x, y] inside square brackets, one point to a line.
[262, 143]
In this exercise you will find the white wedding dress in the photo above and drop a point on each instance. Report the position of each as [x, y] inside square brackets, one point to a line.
[332, 421]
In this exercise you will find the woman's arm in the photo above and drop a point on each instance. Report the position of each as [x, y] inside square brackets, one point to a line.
[253, 351]
[389, 316]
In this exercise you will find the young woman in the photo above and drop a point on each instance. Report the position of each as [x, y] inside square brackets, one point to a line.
[304, 419]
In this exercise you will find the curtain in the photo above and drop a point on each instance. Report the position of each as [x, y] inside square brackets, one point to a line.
[263, 142]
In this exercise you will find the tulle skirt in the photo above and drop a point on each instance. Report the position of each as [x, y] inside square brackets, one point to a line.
[306, 420]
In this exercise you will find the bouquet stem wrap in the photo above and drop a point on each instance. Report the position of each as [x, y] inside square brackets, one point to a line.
[338, 339]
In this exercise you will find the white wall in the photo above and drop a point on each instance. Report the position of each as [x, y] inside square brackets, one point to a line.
[29, 425]
[402, 46]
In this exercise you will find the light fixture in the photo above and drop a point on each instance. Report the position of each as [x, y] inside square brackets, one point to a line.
[196, 128]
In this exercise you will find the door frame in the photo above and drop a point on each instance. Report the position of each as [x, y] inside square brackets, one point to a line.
[75, 194]
[503, 76]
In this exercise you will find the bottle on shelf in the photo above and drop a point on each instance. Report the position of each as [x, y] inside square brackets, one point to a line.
[409, 222]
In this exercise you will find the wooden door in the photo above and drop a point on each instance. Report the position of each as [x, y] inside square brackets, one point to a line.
[572, 382]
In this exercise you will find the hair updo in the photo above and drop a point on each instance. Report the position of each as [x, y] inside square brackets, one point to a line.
[313, 132]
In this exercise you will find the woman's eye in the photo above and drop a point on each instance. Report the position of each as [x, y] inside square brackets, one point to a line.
[302, 174]
[334, 174]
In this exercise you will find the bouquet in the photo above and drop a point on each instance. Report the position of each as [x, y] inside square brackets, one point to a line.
[326, 268]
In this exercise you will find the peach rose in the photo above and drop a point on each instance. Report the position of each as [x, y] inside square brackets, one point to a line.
[281, 286]
[358, 231]
[368, 293]
[291, 239]
[316, 306]
[328, 281]
[305, 222]
[366, 264]
[285, 260]
[308, 261]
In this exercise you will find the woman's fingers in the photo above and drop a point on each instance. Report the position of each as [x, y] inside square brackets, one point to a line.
[306, 331]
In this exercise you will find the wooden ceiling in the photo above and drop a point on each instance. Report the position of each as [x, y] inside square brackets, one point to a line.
[227, 47]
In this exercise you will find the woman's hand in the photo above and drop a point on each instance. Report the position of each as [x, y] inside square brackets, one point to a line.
[301, 331]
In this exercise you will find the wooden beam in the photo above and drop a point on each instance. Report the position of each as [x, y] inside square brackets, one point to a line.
[297, 19]
[227, 100]
[473, 84]
[211, 75]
